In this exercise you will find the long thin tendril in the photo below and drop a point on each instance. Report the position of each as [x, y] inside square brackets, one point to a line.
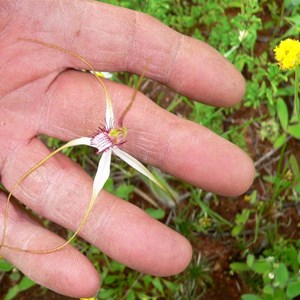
[84, 60]
[20, 180]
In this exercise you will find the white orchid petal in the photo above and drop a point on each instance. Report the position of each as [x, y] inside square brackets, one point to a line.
[79, 141]
[102, 173]
[109, 114]
[133, 162]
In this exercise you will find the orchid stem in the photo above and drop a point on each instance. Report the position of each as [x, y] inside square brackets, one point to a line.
[126, 110]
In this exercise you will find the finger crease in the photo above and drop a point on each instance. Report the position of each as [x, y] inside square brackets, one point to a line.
[176, 51]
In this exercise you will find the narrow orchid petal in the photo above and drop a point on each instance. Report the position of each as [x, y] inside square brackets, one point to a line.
[101, 177]
[109, 115]
[133, 162]
[79, 141]
[102, 173]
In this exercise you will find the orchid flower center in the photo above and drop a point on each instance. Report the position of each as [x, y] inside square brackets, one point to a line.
[118, 135]
[105, 139]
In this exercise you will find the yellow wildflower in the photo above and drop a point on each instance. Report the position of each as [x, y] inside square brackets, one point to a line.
[287, 54]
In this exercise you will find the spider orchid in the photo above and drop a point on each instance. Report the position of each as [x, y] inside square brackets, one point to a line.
[107, 140]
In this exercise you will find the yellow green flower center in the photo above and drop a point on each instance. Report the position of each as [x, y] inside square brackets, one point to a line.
[118, 134]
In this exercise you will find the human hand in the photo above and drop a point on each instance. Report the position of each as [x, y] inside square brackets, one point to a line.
[40, 94]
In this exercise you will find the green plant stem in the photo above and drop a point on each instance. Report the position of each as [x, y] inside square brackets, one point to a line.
[296, 97]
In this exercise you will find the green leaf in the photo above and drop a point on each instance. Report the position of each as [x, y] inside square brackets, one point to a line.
[157, 214]
[294, 131]
[261, 267]
[109, 279]
[5, 266]
[236, 230]
[268, 290]
[243, 217]
[171, 286]
[106, 293]
[294, 166]
[12, 293]
[293, 289]
[147, 279]
[130, 295]
[283, 114]
[26, 283]
[124, 191]
[279, 295]
[281, 275]
[280, 141]
[250, 297]
[109, 185]
[156, 282]
[239, 267]
[250, 260]
[117, 267]
[15, 276]
[290, 257]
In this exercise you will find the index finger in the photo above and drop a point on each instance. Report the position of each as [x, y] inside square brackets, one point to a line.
[118, 39]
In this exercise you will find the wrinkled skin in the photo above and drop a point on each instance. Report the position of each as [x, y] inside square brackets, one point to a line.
[41, 93]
